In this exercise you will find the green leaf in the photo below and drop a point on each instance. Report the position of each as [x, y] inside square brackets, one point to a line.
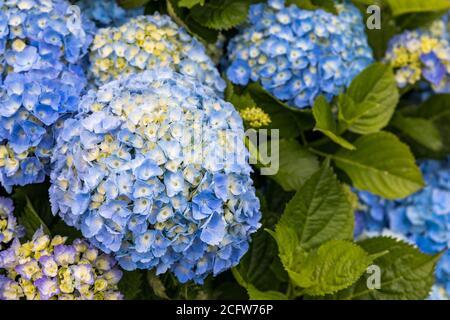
[130, 4]
[406, 273]
[320, 211]
[382, 165]
[370, 101]
[190, 3]
[157, 285]
[399, 7]
[130, 284]
[255, 266]
[184, 19]
[221, 14]
[256, 294]
[253, 292]
[326, 124]
[287, 120]
[31, 220]
[295, 164]
[327, 5]
[422, 130]
[336, 265]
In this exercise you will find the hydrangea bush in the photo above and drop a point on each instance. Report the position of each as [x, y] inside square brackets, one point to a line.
[217, 149]
[423, 218]
[42, 44]
[299, 54]
[146, 42]
[154, 169]
[46, 268]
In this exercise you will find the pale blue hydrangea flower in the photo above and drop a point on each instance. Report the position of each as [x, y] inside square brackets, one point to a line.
[9, 229]
[423, 218]
[155, 170]
[299, 54]
[149, 41]
[106, 13]
[46, 268]
[42, 43]
[422, 56]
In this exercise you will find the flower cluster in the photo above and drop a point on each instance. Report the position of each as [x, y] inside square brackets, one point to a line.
[46, 268]
[255, 117]
[299, 54]
[149, 41]
[422, 55]
[155, 170]
[422, 219]
[42, 43]
[9, 229]
[106, 13]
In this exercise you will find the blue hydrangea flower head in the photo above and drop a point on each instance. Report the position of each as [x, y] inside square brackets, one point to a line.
[155, 171]
[299, 54]
[42, 43]
[106, 13]
[422, 56]
[9, 229]
[47, 268]
[148, 41]
[422, 219]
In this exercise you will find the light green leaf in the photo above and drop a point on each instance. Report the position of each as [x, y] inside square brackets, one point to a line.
[295, 164]
[256, 294]
[221, 14]
[422, 130]
[190, 3]
[406, 273]
[320, 211]
[370, 101]
[336, 265]
[382, 165]
[326, 124]
[399, 7]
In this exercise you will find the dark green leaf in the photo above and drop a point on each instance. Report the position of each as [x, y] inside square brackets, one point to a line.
[130, 284]
[221, 14]
[326, 124]
[157, 285]
[422, 130]
[31, 220]
[284, 118]
[130, 4]
[295, 164]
